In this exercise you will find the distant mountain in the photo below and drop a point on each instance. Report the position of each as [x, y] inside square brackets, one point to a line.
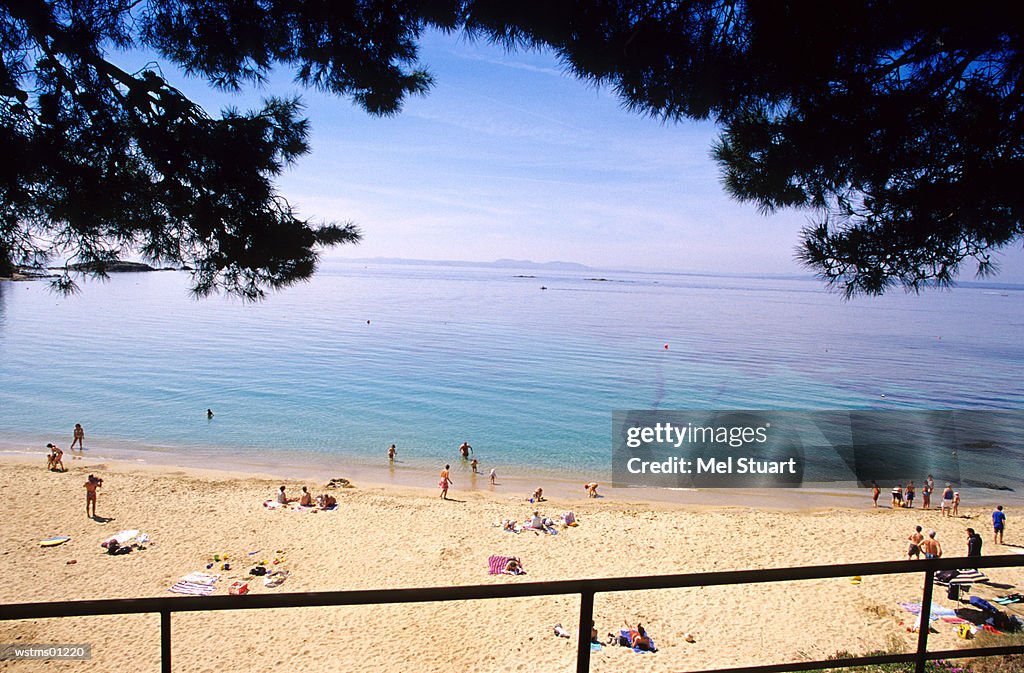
[497, 264]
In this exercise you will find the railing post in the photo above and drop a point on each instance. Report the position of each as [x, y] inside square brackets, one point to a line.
[586, 623]
[165, 641]
[926, 619]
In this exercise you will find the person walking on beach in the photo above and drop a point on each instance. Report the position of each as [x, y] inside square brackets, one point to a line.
[91, 485]
[875, 492]
[914, 551]
[973, 543]
[79, 436]
[947, 500]
[998, 524]
[931, 547]
[392, 451]
[445, 482]
[475, 464]
[465, 449]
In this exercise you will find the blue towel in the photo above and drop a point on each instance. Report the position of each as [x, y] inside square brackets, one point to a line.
[983, 604]
[624, 633]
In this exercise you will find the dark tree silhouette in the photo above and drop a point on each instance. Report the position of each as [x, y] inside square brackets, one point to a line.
[895, 123]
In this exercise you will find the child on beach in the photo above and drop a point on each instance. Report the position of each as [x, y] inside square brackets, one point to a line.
[494, 476]
[956, 503]
[998, 524]
[538, 495]
[445, 482]
[91, 485]
[591, 489]
[473, 464]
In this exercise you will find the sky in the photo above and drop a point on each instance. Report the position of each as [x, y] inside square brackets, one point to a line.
[508, 156]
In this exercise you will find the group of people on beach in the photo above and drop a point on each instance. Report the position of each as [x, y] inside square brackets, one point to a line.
[930, 547]
[323, 501]
[903, 498]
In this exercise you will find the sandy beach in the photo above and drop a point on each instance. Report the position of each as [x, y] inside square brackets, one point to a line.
[382, 536]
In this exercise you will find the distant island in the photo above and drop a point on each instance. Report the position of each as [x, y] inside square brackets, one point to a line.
[497, 264]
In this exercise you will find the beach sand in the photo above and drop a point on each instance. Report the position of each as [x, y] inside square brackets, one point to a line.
[396, 537]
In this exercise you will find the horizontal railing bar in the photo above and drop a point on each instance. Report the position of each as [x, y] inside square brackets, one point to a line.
[869, 661]
[113, 606]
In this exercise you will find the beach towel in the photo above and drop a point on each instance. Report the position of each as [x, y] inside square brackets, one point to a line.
[199, 578]
[983, 604]
[624, 633]
[955, 620]
[936, 611]
[1008, 599]
[271, 504]
[192, 589]
[496, 565]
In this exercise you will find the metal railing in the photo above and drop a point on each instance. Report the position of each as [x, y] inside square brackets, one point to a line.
[586, 588]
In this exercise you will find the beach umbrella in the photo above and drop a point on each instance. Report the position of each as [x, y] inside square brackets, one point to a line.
[969, 577]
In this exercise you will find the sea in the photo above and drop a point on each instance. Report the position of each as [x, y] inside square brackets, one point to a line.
[528, 365]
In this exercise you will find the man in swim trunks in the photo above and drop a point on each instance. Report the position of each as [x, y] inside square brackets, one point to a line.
[910, 495]
[465, 449]
[915, 544]
[931, 547]
[998, 524]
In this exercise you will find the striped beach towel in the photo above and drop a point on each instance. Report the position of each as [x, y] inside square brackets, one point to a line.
[496, 564]
[192, 588]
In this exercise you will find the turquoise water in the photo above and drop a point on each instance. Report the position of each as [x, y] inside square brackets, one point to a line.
[333, 371]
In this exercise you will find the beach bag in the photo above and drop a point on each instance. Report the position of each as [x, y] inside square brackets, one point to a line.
[964, 631]
[258, 571]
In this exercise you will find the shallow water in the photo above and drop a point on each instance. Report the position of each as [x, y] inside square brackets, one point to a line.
[329, 373]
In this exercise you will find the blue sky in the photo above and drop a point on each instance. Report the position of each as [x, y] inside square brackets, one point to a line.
[509, 157]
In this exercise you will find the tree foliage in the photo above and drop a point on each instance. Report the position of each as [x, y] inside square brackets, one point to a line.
[895, 123]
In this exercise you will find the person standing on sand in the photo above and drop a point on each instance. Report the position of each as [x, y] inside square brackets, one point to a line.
[445, 482]
[875, 492]
[79, 436]
[897, 496]
[915, 544]
[91, 485]
[973, 543]
[392, 451]
[926, 494]
[910, 495]
[956, 503]
[494, 476]
[998, 524]
[947, 500]
[931, 547]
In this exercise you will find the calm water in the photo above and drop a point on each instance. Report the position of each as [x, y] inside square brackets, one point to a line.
[333, 371]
